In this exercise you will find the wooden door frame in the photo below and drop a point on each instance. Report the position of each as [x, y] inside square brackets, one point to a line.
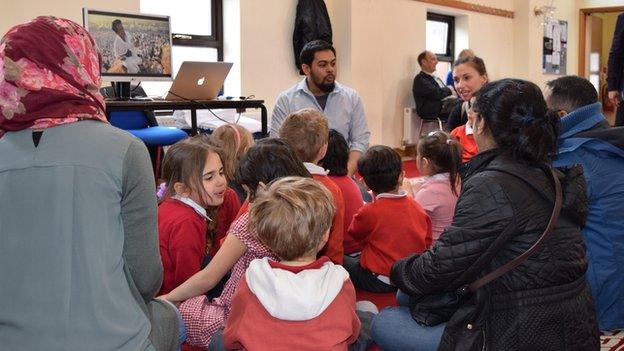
[583, 13]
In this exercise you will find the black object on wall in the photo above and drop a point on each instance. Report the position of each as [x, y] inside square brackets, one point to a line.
[311, 23]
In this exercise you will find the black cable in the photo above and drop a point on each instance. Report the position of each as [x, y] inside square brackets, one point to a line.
[205, 107]
[135, 88]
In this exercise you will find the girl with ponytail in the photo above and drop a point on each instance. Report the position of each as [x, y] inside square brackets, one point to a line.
[438, 159]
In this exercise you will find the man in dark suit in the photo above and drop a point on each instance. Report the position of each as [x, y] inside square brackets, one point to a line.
[615, 72]
[428, 89]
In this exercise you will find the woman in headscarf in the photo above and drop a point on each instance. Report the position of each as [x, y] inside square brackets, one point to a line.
[79, 255]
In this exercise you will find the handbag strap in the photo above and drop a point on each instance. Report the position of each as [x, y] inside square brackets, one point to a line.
[518, 260]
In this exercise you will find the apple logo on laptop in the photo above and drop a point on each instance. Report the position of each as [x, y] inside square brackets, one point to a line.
[201, 80]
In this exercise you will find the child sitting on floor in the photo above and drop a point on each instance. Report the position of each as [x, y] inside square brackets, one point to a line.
[393, 226]
[307, 132]
[438, 159]
[234, 140]
[195, 182]
[301, 302]
[335, 162]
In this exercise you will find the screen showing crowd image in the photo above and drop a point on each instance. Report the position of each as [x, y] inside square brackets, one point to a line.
[131, 45]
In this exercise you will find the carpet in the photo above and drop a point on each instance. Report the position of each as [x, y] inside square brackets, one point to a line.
[411, 171]
[612, 341]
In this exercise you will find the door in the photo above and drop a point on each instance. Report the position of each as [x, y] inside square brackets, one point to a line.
[593, 49]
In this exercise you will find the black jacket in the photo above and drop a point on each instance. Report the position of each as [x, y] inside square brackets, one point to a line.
[503, 208]
[456, 116]
[311, 23]
[428, 95]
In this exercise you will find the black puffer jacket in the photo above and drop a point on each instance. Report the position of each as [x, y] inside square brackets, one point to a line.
[311, 23]
[504, 206]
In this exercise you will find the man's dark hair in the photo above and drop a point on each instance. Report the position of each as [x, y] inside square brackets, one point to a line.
[116, 23]
[380, 166]
[570, 93]
[307, 53]
[421, 57]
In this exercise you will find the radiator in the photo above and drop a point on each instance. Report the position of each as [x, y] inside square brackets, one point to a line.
[411, 122]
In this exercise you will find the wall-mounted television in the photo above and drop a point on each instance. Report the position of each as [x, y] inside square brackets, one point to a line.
[134, 47]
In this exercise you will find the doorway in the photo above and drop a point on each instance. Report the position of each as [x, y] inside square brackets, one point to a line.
[596, 26]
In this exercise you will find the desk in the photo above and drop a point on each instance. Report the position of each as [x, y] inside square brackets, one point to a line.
[142, 105]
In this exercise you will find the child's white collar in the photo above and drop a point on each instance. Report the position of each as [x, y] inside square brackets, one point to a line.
[469, 129]
[401, 194]
[194, 205]
[315, 169]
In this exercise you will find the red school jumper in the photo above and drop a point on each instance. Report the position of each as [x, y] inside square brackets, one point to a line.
[228, 212]
[334, 248]
[394, 227]
[353, 202]
[182, 240]
[467, 142]
[182, 237]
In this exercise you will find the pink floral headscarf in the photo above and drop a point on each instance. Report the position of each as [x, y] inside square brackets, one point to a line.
[49, 75]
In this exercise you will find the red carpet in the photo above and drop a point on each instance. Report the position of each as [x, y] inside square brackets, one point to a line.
[411, 171]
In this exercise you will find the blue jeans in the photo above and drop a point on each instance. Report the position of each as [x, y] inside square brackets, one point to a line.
[394, 330]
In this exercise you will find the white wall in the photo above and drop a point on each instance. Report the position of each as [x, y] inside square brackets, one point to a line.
[267, 61]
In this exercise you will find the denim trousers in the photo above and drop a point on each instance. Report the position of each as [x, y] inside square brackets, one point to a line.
[394, 329]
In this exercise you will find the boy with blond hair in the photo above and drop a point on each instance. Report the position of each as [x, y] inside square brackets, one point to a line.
[307, 132]
[301, 302]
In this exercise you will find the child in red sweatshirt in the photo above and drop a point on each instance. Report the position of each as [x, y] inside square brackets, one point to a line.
[393, 226]
[307, 132]
[195, 182]
[301, 302]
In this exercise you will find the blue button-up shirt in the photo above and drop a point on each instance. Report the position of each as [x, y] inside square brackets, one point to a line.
[344, 112]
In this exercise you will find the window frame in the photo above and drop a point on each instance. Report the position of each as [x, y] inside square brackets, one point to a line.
[449, 55]
[215, 40]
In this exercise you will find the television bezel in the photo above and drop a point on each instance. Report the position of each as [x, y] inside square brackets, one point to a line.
[134, 77]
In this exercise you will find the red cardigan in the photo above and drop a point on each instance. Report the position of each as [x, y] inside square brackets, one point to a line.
[467, 142]
[393, 228]
[228, 212]
[250, 327]
[334, 249]
[182, 237]
[353, 201]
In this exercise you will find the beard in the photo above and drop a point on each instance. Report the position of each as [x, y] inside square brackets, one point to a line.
[320, 83]
[327, 87]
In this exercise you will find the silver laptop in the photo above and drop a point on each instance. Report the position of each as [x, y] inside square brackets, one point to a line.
[198, 80]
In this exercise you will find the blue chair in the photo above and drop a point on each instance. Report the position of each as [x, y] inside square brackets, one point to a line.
[154, 136]
[143, 125]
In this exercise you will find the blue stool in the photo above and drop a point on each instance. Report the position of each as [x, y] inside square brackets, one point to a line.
[139, 124]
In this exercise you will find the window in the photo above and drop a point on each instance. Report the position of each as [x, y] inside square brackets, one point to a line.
[196, 31]
[441, 36]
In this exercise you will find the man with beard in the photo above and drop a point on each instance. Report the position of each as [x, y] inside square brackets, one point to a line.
[340, 104]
